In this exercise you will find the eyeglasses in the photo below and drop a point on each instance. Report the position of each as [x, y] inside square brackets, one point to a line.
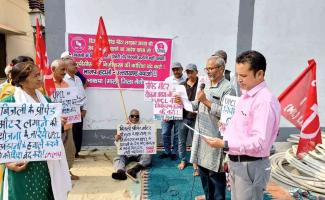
[210, 69]
[135, 116]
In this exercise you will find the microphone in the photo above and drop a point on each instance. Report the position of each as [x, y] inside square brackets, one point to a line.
[202, 86]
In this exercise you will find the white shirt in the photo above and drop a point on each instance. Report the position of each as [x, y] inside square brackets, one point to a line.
[76, 82]
[175, 81]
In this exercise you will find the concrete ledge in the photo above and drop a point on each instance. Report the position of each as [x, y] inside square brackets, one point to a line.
[105, 137]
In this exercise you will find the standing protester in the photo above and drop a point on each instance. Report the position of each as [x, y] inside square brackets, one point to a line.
[67, 55]
[74, 81]
[41, 180]
[121, 161]
[190, 85]
[59, 70]
[230, 76]
[252, 130]
[208, 104]
[167, 125]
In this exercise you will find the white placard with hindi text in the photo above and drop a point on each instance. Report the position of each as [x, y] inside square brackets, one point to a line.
[162, 95]
[156, 89]
[70, 103]
[30, 132]
[228, 108]
[136, 139]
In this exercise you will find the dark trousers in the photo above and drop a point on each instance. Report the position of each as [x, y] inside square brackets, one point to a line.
[213, 183]
[77, 135]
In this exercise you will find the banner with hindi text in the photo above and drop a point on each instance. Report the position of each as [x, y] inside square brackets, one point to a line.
[136, 60]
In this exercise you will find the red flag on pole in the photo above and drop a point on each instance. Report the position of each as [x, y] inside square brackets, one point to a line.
[42, 61]
[101, 47]
[299, 106]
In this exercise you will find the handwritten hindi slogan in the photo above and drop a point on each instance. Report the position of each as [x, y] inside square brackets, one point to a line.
[228, 108]
[162, 95]
[30, 132]
[137, 139]
[70, 101]
[136, 59]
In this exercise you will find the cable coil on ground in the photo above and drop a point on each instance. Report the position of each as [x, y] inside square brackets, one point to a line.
[307, 173]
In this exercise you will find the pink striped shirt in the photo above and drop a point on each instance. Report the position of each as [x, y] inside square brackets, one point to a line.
[255, 124]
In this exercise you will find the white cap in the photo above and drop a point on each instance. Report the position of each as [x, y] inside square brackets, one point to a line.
[66, 54]
[8, 69]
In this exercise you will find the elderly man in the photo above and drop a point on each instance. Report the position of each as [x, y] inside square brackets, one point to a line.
[208, 105]
[59, 69]
[230, 76]
[251, 131]
[74, 81]
[67, 55]
[121, 161]
[167, 125]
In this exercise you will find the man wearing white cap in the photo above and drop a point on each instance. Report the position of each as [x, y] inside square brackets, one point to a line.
[74, 81]
[67, 55]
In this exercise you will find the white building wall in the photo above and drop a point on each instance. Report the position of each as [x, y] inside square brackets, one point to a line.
[198, 28]
[14, 13]
[289, 33]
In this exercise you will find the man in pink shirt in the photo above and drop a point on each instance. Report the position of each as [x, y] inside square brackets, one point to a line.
[252, 130]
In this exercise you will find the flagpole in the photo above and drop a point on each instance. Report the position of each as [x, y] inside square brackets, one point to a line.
[102, 47]
[119, 86]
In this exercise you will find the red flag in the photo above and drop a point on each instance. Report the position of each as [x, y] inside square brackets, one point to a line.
[101, 47]
[299, 106]
[42, 61]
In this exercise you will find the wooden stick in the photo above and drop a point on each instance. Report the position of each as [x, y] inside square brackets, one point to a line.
[133, 179]
[119, 87]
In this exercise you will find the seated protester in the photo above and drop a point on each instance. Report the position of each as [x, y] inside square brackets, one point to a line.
[121, 161]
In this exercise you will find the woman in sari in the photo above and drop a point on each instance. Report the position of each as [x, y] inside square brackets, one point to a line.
[41, 180]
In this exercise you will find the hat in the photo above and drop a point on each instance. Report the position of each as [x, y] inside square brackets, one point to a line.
[191, 67]
[176, 65]
[8, 69]
[66, 54]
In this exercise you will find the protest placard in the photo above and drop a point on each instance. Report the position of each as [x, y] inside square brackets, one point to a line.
[30, 132]
[70, 103]
[162, 95]
[137, 139]
[228, 108]
[156, 89]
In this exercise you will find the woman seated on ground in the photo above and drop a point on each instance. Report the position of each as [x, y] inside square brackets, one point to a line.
[41, 180]
[121, 161]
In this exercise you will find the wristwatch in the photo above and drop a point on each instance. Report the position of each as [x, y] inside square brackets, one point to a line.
[226, 147]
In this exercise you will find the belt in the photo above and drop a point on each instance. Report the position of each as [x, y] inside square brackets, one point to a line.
[243, 158]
